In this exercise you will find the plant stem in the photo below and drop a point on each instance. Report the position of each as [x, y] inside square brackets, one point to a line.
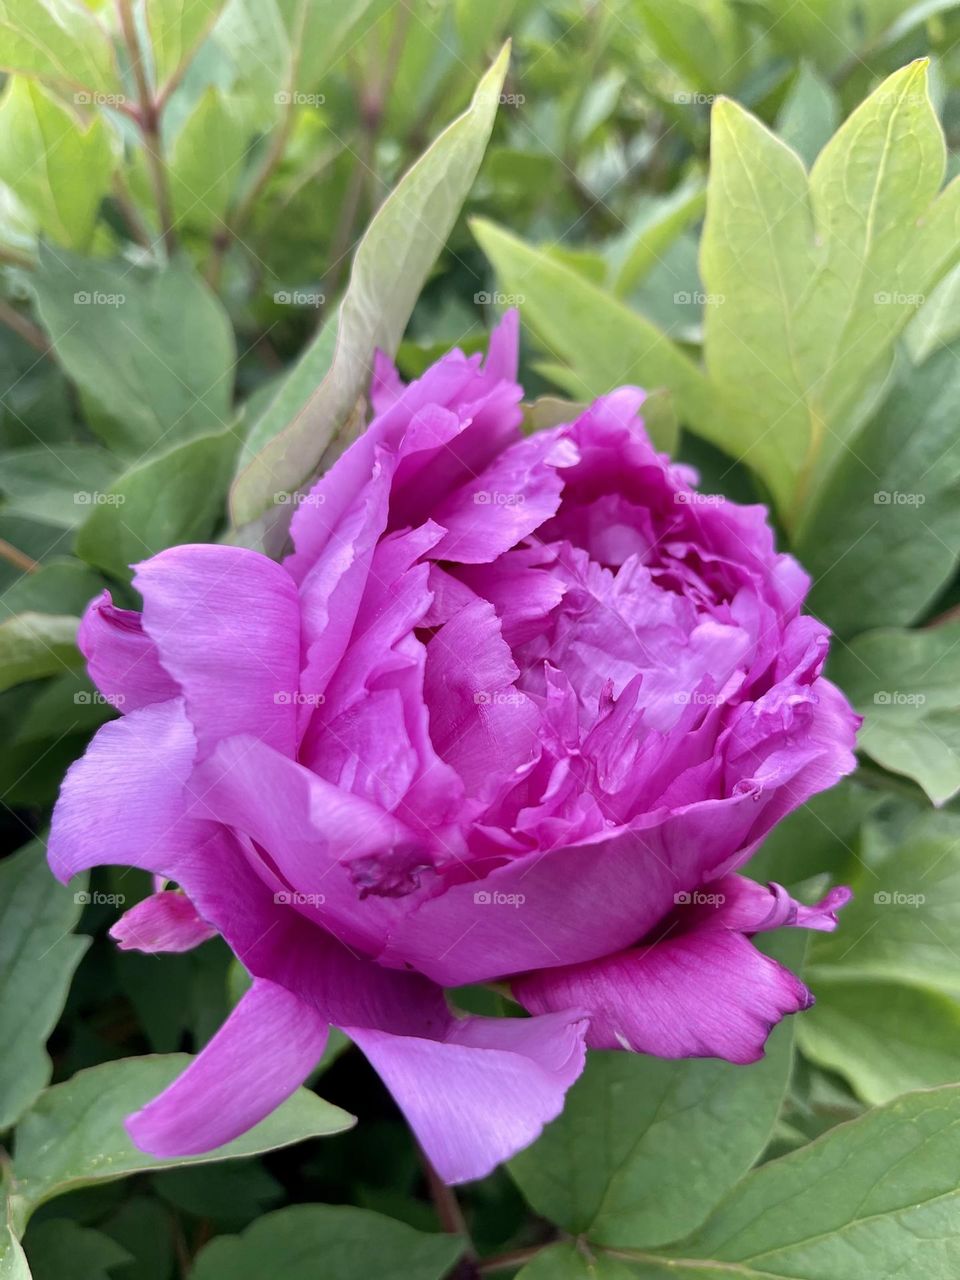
[451, 1219]
[503, 1261]
[17, 557]
[27, 330]
[148, 118]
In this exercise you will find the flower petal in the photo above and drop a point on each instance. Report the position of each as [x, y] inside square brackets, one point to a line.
[484, 1092]
[165, 921]
[261, 1054]
[121, 658]
[705, 994]
[226, 623]
[124, 802]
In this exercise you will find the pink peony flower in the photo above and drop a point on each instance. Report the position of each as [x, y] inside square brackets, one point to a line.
[514, 709]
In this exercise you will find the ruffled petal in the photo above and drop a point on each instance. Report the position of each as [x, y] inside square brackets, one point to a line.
[226, 623]
[124, 802]
[705, 994]
[165, 921]
[485, 1091]
[121, 658]
[736, 902]
[261, 1054]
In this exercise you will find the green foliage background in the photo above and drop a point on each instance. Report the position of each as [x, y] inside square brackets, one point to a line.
[211, 213]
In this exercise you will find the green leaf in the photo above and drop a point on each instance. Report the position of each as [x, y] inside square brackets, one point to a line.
[903, 925]
[318, 31]
[883, 536]
[886, 1039]
[645, 1148]
[354, 1244]
[205, 162]
[37, 644]
[873, 1199]
[55, 483]
[175, 497]
[153, 349]
[906, 684]
[176, 28]
[61, 1248]
[38, 955]
[569, 1262]
[58, 584]
[13, 1261]
[654, 230]
[58, 40]
[937, 323]
[809, 115]
[811, 283]
[389, 269]
[73, 1136]
[604, 343]
[60, 169]
[817, 838]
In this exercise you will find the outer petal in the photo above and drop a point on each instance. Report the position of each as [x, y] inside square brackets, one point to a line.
[736, 902]
[486, 1091]
[265, 1050]
[124, 802]
[122, 660]
[165, 921]
[704, 994]
[226, 623]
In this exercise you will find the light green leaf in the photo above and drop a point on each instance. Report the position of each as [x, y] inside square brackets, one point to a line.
[38, 955]
[37, 644]
[13, 1261]
[173, 497]
[937, 323]
[354, 1244]
[389, 269]
[604, 343]
[205, 162]
[152, 349]
[873, 1199]
[703, 40]
[809, 115]
[318, 31]
[883, 535]
[57, 483]
[645, 1148]
[176, 28]
[58, 40]
[886, 1039]
[60, 1248]
[903, 925]
[811, 283]
[73, 1135]
[58, 168]
[654, 230]
[906, 684]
